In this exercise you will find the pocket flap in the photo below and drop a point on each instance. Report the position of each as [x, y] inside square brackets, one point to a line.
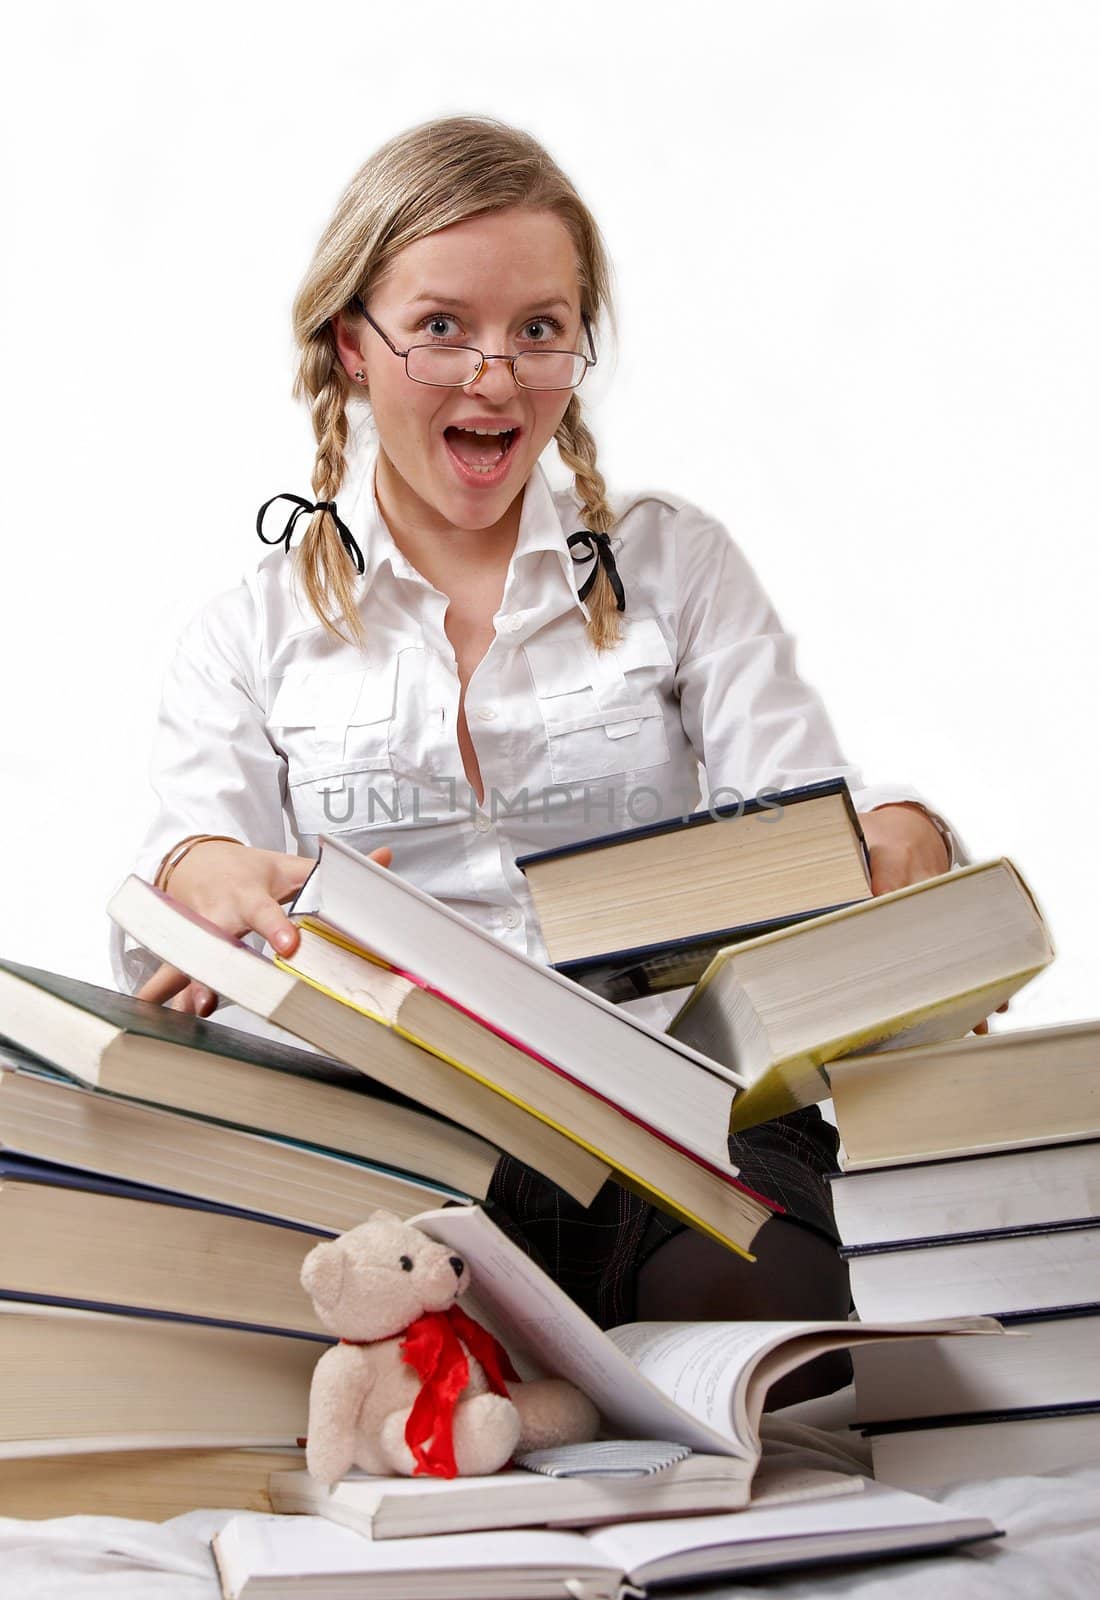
[335, 699]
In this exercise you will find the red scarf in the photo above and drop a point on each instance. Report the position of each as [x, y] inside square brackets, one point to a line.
[431, 1346]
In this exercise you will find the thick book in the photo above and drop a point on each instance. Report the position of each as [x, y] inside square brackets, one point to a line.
[262, 1557]
[1014, 1269]
[82, 1379]
[919, 965]
[700, 1384]
[143, 1485]
[399, 1508]
[150, 1053]
[976, 1193]
[1001, 1091]
[47, 1116]
[645, 909]
[1047, 1358]
[67, 1235]
[1034, 1439]
[641, 1159]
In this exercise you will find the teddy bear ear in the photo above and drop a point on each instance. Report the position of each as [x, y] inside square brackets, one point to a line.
[323, 1274]
[384, 1216]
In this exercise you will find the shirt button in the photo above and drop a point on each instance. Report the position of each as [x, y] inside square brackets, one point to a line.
[511, 624]
[512, 919]
[485, 713]
[482, 824]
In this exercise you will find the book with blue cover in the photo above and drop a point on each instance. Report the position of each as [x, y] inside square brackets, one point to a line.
[75, 1238]
[644, 910]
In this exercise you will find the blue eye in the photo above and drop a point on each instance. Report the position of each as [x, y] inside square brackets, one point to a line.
[438, 316]
[552, 326]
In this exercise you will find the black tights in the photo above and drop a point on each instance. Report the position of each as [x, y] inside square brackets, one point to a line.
[797, 1276]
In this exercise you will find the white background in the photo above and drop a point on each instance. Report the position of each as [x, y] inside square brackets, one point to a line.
[857, 248]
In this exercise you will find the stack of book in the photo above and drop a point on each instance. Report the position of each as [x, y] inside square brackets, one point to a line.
[161, 1179]
[971, 1184]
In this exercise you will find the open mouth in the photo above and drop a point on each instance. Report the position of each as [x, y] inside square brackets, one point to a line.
[480, 451]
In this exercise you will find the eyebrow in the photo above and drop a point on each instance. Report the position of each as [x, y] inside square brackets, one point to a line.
[542, 301]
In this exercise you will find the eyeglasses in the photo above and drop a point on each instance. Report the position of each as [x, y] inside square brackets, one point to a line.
[453, 366]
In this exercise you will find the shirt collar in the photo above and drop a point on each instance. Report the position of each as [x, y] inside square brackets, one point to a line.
[540, 529]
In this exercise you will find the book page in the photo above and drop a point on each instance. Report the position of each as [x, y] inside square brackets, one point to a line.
[306, 1546]
[701, 1365]
[530, 1312]
[636, 1546]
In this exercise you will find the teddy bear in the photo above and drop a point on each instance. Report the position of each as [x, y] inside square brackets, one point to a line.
[416, 1386]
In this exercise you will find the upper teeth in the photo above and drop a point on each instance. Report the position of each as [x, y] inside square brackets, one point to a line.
[493, 431]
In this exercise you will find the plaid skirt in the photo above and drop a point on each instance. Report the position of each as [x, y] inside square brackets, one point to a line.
[594, 1253]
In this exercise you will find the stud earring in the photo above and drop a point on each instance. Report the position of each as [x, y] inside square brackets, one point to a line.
[360, 375]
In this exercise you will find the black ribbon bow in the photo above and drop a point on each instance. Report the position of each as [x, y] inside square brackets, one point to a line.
[307, 508]
[598, 545]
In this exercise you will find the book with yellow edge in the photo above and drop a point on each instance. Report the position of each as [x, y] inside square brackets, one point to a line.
[642, 1160]
[922, 964]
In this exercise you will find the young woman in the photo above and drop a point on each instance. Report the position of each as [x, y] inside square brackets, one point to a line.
[455, 665]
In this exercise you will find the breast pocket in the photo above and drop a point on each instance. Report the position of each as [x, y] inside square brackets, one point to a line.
[602, 711]
[334, 729]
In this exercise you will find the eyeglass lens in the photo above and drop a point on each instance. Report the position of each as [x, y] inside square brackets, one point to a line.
[455, 366]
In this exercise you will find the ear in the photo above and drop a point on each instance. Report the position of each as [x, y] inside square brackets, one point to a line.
[346, 335]
[322, 1274]
[384, 1216]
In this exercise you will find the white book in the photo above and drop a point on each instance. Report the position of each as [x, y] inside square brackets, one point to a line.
[977, 1193]
[1039, 1269]
[270, 1558]
[1004, 1446]
[1048, 1358]
[664, 1083]
[395, 1508]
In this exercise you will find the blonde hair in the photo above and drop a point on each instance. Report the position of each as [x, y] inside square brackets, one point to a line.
[427, 178]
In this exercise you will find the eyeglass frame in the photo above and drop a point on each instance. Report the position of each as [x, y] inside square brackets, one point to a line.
[357, 303]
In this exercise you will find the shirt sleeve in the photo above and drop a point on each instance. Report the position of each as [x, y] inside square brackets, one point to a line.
[213, 767]
[753, 722]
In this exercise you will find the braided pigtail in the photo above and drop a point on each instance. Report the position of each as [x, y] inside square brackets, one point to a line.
[322, 562]
[577, 448]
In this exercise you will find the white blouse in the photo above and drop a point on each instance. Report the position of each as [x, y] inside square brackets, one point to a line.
[273, 732]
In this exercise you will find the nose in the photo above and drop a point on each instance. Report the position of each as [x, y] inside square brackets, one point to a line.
[458, 1265]
[496, 377]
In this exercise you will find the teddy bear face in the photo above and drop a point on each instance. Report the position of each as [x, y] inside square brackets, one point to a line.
[376, 1279]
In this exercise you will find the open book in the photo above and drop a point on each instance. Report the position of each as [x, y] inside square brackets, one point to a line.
[702, 1384]
[277, 1556]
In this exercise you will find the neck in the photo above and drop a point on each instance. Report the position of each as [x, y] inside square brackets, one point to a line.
[448, 557]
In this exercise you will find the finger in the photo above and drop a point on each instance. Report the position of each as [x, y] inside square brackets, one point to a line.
[265, 916]
[196, 1000]
[886, 874]
[165, 982]
[383, 855]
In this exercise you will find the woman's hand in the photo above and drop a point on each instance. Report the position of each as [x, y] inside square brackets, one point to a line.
[241, 890]
[906, 847]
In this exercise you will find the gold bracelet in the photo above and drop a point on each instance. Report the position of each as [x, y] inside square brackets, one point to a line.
[174, 856]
